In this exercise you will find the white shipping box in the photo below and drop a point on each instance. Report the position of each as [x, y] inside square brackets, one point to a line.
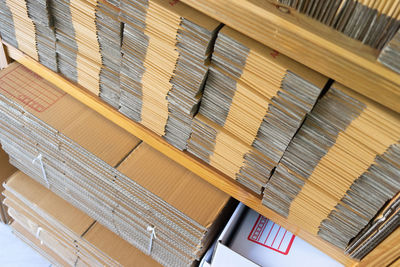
[250, 239]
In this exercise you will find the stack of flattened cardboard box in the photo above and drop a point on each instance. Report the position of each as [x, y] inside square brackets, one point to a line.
[62, 233]
[165, 49]
[254, 101]
[77, 44]
[340, 170]
[109, 34]
[28, 25]
[371, 22]
[390, 54]
[39, 13]
[17, 28]
[136, 192]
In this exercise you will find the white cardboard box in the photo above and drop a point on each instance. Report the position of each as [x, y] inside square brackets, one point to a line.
[250, 239]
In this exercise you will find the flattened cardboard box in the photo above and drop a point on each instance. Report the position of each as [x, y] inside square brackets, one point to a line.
[65, 114]
[95, 237]
[86, 138]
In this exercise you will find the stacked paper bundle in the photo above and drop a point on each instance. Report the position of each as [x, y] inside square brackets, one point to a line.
[390, 54]
[62, 233]
[7, 29]
[196, 38]
[136, 192]
[39, 13]
[87, 40]
[384, 223]
[28, 26]
[109, 36]
[78, 50]
[164, 50]
[373, 22]
[17, 27]
[340, 168]
[254, 101]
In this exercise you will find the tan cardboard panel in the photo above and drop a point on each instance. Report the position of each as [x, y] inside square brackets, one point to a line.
[117, 248]
[80, 123]
[50, 203]
[174, 184]
[32, 241]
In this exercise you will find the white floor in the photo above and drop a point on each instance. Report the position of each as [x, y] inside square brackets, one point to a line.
[15, 253]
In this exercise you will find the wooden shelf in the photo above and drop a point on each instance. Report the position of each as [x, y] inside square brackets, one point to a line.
[311, 43]
[195, 165]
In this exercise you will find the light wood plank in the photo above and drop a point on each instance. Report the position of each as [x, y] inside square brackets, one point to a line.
[311, 43]
[4, 60]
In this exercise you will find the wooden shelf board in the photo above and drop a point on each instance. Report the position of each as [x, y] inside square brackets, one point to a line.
[311, 43]
[195, 165]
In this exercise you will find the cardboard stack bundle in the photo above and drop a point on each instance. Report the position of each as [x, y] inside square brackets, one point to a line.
[386, 253]
[6, 169]
[7, 29]
[150, 201]
[165, 47]
[373, 22]
[254, 101]
[62, 233]
[28, 26]
[17, 27]
[109, 34]
[340, 168]
[384, 224]
[39, 13]
[78, 50]
[80, 39]
[390, 54]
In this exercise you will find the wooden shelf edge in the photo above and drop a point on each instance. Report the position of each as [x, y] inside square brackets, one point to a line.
[205, 171]
[311, 43]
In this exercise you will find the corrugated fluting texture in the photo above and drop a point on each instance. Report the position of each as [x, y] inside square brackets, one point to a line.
[318, 154]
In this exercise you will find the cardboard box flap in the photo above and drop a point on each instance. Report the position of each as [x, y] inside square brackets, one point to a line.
[174, 184]
[33, 242]
[25, 187]
[117, 248]
[65, 114]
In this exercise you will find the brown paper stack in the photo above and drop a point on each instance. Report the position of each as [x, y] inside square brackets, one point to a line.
[23, 30]
[340, 168]
[62, 233]
[78, 48]
[164, 48]
[88, 40]
[136, 192]
[373, 22]
[253, 103]
[390, 54]
[384, 223]
[7, 29]
[109, 34]
[39, 12]
[28, 26]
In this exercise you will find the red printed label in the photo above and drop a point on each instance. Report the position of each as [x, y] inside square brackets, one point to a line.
[173, 2]
[30, 89]
[270, 235]
[274, 54]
